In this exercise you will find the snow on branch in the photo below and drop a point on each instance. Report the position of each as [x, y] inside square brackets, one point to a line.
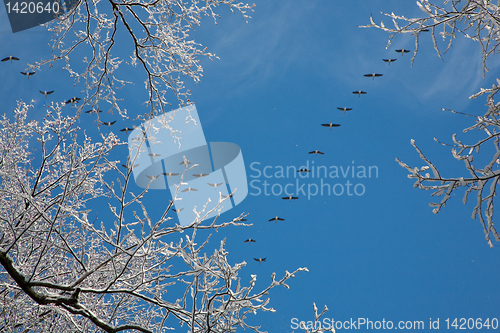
[483, 180]
[478, 20]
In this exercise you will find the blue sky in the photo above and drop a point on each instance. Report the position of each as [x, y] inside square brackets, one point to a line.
[380, 255]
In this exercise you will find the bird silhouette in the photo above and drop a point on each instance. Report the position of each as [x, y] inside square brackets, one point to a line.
[215, 185]
[10, 58]
[276, 219]
[344, 109]
[249, 241]
[189, 189]
[316, 152]
[389, 60]
[126, 129]
[260, 260]
[133, 166]
[177, 210]
[72, 100]
[359, 92]
[169, 174]
[303, 170]
[28, 74]
[45, 93]
[330, 125]
[108, 123]
[93, 111]
[402, 51]
[290, 198]
[185, 161]
[201, 175]
[154, 155]
[373, 75]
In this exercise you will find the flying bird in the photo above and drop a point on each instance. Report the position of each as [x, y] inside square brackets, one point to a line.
[10, 58]
[359, 92]
[201, 175]
[402, 51]
[303, 170]
[108, 123]
[177, 210]
[389, 60]
[185, 161]
[28, 74]
[93, 111]
[249, 241]
[276, 219]
[373, 75]
[154, 155]
[259, 260]
[152, 177]
[330, 125]
[290, 198]
[225, 196]
[72, 100]
[169, 174]
[316, 152]
[126, 130]
[344, 109]
[215, 185]
[45, 93]
[189, 189]
[133, 166]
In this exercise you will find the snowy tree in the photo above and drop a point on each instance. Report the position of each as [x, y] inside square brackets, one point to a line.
[477, 20]
[64, 272]
[156, 33]
[64, 268]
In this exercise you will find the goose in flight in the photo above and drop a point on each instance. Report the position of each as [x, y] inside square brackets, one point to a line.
[45, 93]
[373, 75]
[10, 58]
[330, 125]
[108, 123]
[316, 152]
[402, 51]
[28, 74]
[259, 260]
[359, 92]
[215, 185]
[126, 130]
[93, 111]
[276, 219]
[169, 174]
[249, 241]
[133, 166]
[303, 170]
[185, 161]
[72, 100]
[389, 60]
[344, 109]
[290, 198]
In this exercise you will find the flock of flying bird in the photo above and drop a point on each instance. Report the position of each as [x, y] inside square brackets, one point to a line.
[72, 100]
[330, 125]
